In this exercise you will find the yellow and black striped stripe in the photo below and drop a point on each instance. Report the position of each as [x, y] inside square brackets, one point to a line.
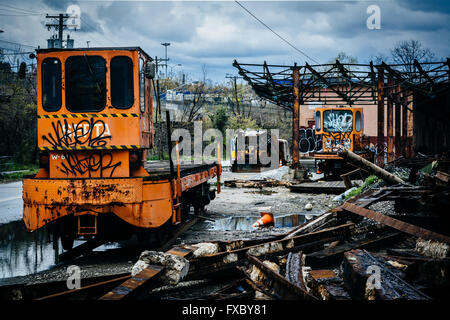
[89, 115]
[120, 147]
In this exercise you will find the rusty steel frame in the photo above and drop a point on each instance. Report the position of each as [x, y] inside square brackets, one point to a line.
[380, 118]
[353, 84]
[396, 224]
[274, 82]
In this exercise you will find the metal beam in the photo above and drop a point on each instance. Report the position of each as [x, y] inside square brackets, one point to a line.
[295, 118]
[422, 72]
[325, 82]
[396, 224]
[380, 118]
[397, 121]
[390, 120]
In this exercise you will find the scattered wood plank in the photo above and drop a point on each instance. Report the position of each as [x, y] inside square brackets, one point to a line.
[266, 183]
[335, 254]
[364, 164]
[277, 284]
[331, 187]
[367, 277]
[326, 285]
[222, 261]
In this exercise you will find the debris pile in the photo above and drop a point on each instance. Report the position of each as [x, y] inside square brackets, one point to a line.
[390, 242]
[175, 267]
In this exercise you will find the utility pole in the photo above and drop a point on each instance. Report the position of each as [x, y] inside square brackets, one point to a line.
[166, 60]
[235, 91]
[57, 26]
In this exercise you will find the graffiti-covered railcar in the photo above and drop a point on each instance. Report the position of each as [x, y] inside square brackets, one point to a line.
[336, 128]
[95, 126]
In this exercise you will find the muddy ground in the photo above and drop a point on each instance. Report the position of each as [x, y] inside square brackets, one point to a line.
[227, 217]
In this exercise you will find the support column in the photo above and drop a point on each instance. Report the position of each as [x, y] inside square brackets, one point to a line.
[295, 118]
[380, 118]
[390, 120]
[404, 125]
[299, 170]
[397, 122]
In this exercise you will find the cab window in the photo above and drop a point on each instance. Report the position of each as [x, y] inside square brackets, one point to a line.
[141, 85]
[318, 121]
[51, 84]
[358, 121]
[337, 121]
[122, 82]
[85, 83]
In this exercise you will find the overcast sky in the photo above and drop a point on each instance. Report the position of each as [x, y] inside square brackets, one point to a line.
[214, 33]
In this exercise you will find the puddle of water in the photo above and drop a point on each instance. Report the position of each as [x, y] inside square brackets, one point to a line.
[23, 253]
[245, 223]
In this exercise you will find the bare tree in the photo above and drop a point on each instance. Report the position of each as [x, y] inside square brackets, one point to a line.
[405, 52]
[192, 109]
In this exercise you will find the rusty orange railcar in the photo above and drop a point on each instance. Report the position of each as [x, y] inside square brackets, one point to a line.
[95, 126]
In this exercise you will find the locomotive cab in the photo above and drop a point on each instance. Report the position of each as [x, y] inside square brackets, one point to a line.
[94, 112]
[336, 128]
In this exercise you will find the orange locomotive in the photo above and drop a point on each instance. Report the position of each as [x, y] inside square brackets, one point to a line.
[337, 127]
[95, 126]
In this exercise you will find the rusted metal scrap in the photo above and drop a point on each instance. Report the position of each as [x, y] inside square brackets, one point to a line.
[89, 291]
[396, 224]
[367, 277]
[131, 285]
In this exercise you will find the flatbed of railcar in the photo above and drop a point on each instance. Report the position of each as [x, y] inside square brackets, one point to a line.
[161, 169]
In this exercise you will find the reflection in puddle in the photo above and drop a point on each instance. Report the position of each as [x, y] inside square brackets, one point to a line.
[23, 253]
[245, 223]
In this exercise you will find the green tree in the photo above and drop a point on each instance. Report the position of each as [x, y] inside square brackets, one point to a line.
[18, 120]
[241, 122]
[220, 119]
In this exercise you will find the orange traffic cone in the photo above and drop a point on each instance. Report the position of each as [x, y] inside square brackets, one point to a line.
[265, 221]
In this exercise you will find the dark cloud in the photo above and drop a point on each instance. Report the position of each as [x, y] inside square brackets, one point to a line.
[216, 33]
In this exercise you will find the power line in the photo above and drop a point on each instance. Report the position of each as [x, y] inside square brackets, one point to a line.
[20, 14]
[265, 25]
[84, 21]
[18, 44]
[18, 9]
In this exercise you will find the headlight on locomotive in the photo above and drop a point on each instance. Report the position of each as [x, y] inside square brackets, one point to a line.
[347, 143]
